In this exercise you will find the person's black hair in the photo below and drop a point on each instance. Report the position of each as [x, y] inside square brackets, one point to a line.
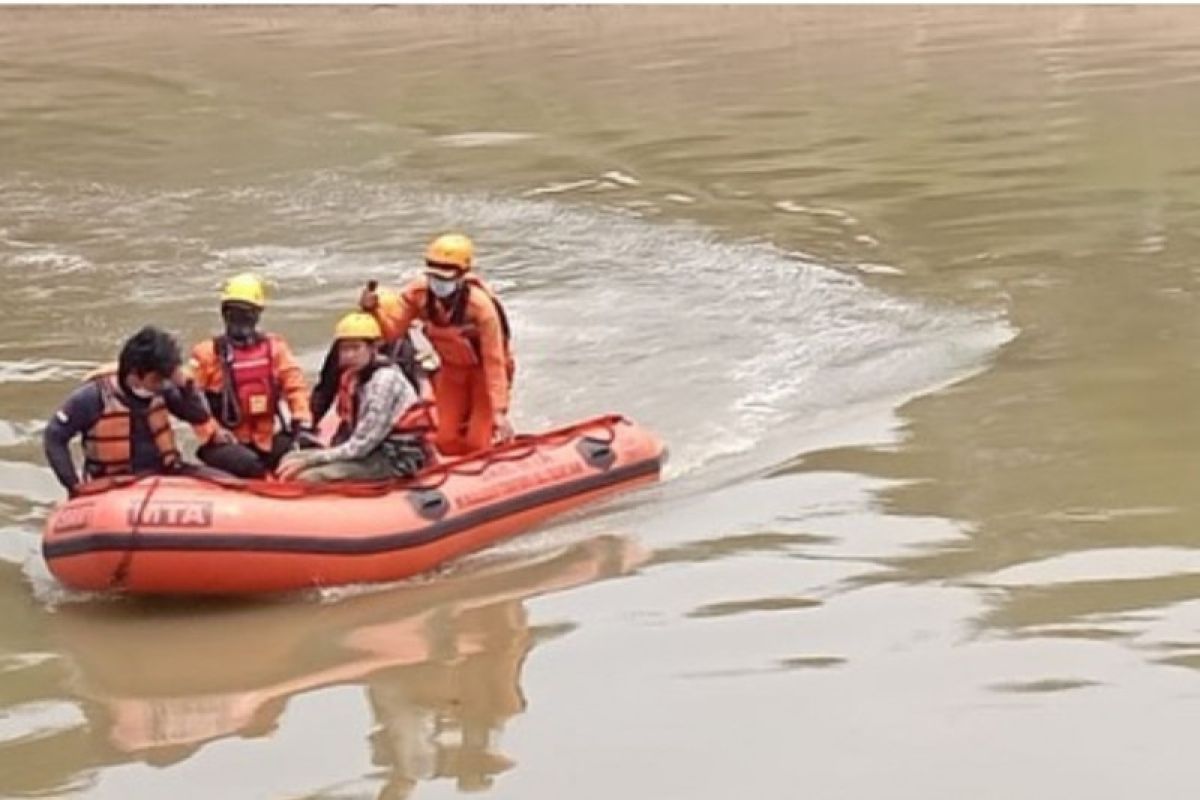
[149, 350]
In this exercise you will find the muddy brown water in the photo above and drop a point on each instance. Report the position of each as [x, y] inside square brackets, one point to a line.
[911, 293]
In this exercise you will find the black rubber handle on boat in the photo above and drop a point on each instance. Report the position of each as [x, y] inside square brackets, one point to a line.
[431, 504]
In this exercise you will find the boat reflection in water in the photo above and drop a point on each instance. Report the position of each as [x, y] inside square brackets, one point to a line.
[440, 661]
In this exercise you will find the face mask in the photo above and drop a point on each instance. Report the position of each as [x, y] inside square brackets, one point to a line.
[240, 334]
[240, 324]
[442, 287]
[141, 392]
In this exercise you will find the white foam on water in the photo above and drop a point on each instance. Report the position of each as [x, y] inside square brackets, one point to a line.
[49, 261]
[739, 354]
[43, 370]
[38, 720]
[483, 138]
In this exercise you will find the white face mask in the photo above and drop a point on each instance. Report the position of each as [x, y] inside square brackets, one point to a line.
[141, 392]
[442, 287]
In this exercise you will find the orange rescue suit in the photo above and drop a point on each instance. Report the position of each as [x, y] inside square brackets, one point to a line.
[261, 373]
[107, 446]
[471, 339]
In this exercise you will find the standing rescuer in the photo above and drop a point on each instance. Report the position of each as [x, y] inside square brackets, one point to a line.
[245, 374]
[123, 414]
[467, 326]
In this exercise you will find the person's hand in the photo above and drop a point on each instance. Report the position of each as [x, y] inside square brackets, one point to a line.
[292, 465]
[429, 361]
[222, 436]
[368, 301]
[181, 377]
[503, 428]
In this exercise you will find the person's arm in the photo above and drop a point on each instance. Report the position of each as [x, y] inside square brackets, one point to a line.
[325, 392]
[385, 396]
[77, 414]
[186, 402]
[495, 364]
[203, 374]
[291, 383]
[396, 312]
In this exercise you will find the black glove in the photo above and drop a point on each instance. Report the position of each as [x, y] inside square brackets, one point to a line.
[304, 437]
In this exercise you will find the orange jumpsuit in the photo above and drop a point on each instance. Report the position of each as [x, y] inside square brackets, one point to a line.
[473, 383]
[257, 425]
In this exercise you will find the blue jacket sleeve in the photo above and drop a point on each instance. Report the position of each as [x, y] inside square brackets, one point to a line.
[186, 402]
[77, 414]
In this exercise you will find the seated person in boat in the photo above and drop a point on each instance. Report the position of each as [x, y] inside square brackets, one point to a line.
[245, 374]
[413, 354]
[123, 413]
[468, 328]
[379, 411]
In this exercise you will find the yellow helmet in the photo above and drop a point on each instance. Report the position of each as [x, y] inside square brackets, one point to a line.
[449, 255]
[358, 325]
[245, 288]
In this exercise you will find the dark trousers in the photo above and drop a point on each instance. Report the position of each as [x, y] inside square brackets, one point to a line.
[245, 461]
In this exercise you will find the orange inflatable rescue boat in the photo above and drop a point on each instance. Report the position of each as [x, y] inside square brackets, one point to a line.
[187, 535]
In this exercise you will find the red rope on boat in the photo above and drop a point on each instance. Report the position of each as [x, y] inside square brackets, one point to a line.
[122, 569]
[519, 449]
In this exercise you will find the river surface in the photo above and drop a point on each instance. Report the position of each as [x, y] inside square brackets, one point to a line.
[912, 293]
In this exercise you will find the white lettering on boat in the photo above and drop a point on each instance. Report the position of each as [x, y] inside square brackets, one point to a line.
[171, 514]
[73, 518]
[498, 484]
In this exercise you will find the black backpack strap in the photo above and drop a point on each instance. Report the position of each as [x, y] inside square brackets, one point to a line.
[430, 303]
[325, 392]
[228, 411]
[505, 328]
[458, 314]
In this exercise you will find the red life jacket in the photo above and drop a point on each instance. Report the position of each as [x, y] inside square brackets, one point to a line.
[251, 372]
[108, 444]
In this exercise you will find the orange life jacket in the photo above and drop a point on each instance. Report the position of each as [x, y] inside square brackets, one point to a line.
[108, 444]
[416, 420]
[456, 338]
